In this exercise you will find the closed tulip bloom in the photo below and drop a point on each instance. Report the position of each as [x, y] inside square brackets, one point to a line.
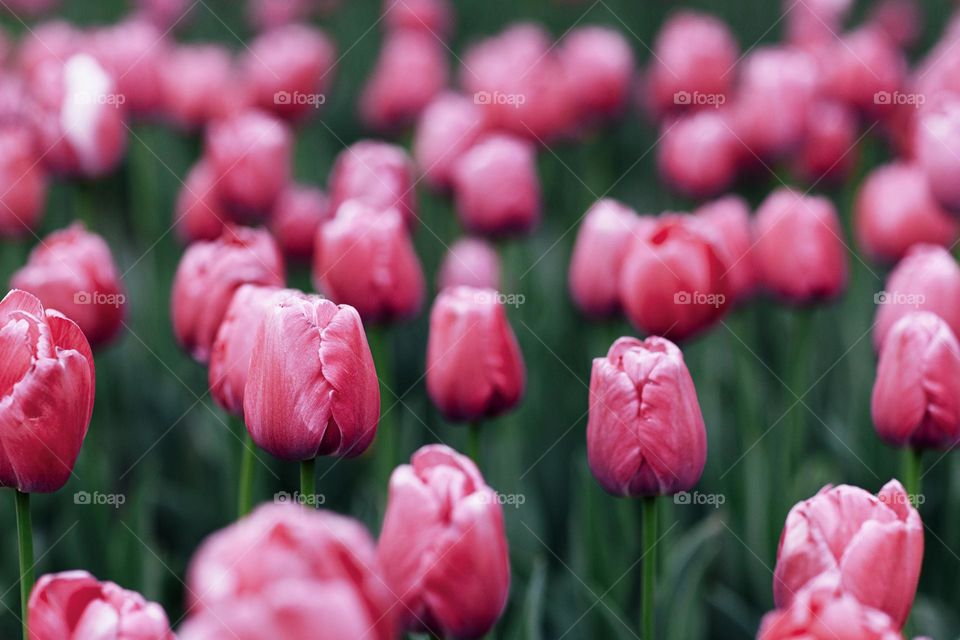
[74, 605]
[272, 14]
[430, 16]
[48, 388]
[52, 40]
[378, 174]
[799, 248]
[164, 14]
[30, 7]
[296, 217]
[698, 154]
[861, 67]
[645, 433]
[900, 21]
[927, 279]
[937, 145]
[447, 128]
[604, 236]
[442, 547]
[133, 51]
[895, 210]
[207, 277]
[23, 183]
[672, 283]
[875, 543]
[828, 151]
[599, 64]
[497, 188]
[815, 22]
[200, 212]
[474, 366]
[198, 83]
[470, 262]
[311, 387]
[73, 271]
[727, 221]
[364, 257]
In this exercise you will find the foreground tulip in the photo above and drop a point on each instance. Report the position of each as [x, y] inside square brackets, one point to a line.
[23, 183]
[447, 128]
[199, 210]
[599, 65]
[207, 277]
[727, 222]
[376, 173]
[74, 605]
[296, 217]
[440, 507]
[470, 262]
[874, 543]
[72, 271]
[699, 153]
[937, 145]
[283, 570]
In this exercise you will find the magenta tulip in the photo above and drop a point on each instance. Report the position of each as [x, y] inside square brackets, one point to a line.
[599, 64]
[297, 215]
[814, 22]
[448, 127]
[828, 151]
[376, 173]
[937, 146]
[900, 21]
[23, 183]
[699, 153]
[200, 211]
[727, 222]
[470, 262]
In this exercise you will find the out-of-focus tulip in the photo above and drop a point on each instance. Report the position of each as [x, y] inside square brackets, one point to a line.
[200, 212]
[828, 151]
[875, 543]
[27, 8]
[699, 153]
[901, 21]
[470, 262]
[672, 283]
[824, 611]
[496, 186]
[447, 128]
[199, 83]
[51, 41]
[271, 14]
[895, 210]
[282, 570]
[727, 222]
[297, 215]
[645, 433]
[599, 64]
[604, 236]
[863, 69]
[133, 51]
[251, 154]
[694, 61]
[927, 279]
[207, 277]
[431, 16]
[799, 248]
[72, 271]
[474, 366]
[74, 604]
[815, 22]
[290, 69]
[440, 507]
[916, 396]
[47, 388]
[411, 71]
[311, 387]
[23, 183]
[937, 146]
[164, 14]
[376, 173]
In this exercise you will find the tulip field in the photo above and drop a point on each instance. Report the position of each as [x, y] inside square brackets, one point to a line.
[544, 320]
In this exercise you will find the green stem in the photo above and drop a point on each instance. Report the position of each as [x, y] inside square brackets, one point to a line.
[385, 451]
[25, 538]
[308, 481]
[792, 441]
[649, 567]
[474, 446]
[912, 473]
[245, 481]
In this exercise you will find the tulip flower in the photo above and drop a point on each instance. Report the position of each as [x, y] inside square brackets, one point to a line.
[727, 222]
[30, 7]
[23, 183]
[496, 186]
[895, 210]
[937, 147]
[198, 83]
[364, 257]
[439, 507]
[799, 247]
[132, 52]
[599, 64]
[378, 174]
[828, 151]
[699, 154]
[164, 14]
[72, 271]
[200, 212]
[927, 279]
[874, 543]
[672, 282]
[470, 262]
[815, 21]
[900, 21]
[74, 604]
[273, 14]
[434, 17]
[296, 218]
[51, 41]
[861, 67]
[207, 277]
[447, 128]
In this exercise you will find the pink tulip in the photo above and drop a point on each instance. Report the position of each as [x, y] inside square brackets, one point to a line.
[861, 67]
[272, 14]
[74, 605]
[29, 8]
[927, 279]
[474, 366]
[434, 17]
[470, 262]
[828, 151]
[23, 182]
[874, 543]
[311, 387]
[727, 222]
[288, 573]
[599, 64]
[48, 388]
[200, 212]
[603, 239]
[72, 271]
[814, 22]
[645, 433]
[698, 154]
[290, 69]
[376, 173]
[439, 507]
[132, 52]
[895, 210]
[296, 218]
[50, 41]
[496, 186]
[198, 83]
[207, 277]
[799, 248]
[672, 282]
[164, 14]
[447, 128]
[937, 145]
[411, 71]
[901, 21]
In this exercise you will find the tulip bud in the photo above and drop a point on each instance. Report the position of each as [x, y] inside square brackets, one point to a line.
[815, 22]
[197, 84]
[200, 213]
[30, 7]
[799, 248]
[874, 543]
[439, 507]
[496, 186]
[273, 14]
[207, 277]
[860, 67]
[434, 17]
[698, 154]
[72, 271]
[376, 173]
[47, 388]
[470, 262]
[727, 222]
[645, 433]
[927, 279]
[74, 604]
[296, 218]
[23, 183]
[164, 14]
[311, 387]
[900, 21]
[672, 282]
[599, 65]
[828, 151]
[365, 258]
[937, 145]
[447, 128]
[50, 41]
[132, 51]
[474, 365]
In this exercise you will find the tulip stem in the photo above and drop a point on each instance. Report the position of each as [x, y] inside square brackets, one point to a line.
[25, 538]
[474, 436]
[386, 433]
[649, 567]
[245, 483]
[912, 473]
[308, 481]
